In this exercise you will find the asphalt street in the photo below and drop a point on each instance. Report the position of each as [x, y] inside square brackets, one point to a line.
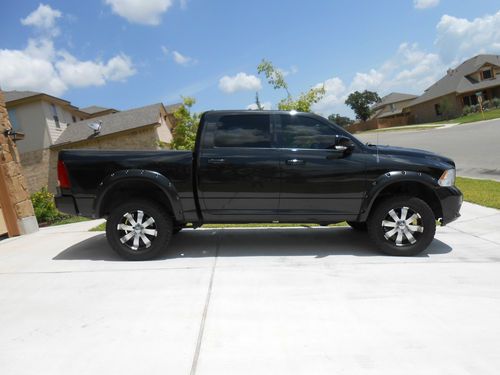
[253, 301]
[475, 147]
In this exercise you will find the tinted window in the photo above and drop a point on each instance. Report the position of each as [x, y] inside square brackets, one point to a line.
[305, 132]
[243, 131]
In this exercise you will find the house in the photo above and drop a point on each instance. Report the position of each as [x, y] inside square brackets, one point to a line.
[51, 124]
[460, 87]
[392, 106]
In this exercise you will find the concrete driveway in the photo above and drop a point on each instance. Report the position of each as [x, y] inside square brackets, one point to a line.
[246, 301]
[474, 147]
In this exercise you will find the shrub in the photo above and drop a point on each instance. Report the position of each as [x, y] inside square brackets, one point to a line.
[486, 104]
[496, 102]
[466, 110]
[45, 207]
[474, 108]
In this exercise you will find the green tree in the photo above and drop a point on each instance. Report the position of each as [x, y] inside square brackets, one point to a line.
[340, 120]
[186, 126]
[360, 103]
[276, 78]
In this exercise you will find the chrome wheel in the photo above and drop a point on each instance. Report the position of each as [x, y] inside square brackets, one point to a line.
[137, 230]
[402, 226]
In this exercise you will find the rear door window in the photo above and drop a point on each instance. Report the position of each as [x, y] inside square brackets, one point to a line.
[252, 130]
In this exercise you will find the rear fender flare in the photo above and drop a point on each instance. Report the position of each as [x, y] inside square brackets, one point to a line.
[133, 175]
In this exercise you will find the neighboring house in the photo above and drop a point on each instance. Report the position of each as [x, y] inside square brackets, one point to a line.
[460, 87]
[51, 124]
[144, 128]
[42, 118]
[392, 105]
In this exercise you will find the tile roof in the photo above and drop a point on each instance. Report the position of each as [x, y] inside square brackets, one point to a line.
[95, 109]
[393, 97]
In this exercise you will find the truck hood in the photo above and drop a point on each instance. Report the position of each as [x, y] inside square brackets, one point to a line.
[412, 152]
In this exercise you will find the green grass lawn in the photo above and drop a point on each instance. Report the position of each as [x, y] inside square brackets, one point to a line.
[473, 117]
[483, 192]
[68, 220]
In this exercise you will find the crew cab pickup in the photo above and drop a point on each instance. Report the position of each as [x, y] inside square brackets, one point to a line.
[261, 167]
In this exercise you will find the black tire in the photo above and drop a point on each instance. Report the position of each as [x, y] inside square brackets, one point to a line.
[386, 235]
[158, 230]
[358, 225]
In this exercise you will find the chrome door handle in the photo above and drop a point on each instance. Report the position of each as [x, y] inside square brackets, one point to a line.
[216, 161]
[295, 162]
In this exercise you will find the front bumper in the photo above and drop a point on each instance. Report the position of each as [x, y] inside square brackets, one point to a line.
[451, 201]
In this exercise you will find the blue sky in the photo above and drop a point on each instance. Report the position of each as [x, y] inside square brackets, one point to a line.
[128, 53]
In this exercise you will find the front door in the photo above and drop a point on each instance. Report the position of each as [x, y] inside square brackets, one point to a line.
[238, 168]
[318, 183]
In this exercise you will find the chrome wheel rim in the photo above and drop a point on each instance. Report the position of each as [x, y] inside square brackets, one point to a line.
[137, 230]
[402, 226]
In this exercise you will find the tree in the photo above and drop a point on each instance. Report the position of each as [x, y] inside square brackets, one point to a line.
[186, 126]
[340, 120]
[276, 78]
[257, 102]
[360, 103]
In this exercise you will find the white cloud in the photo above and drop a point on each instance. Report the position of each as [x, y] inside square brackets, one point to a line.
[164, 50]
[42, 67]
[239, 82]
[424, 4]
[265, 105]
[183, 60]
[459, 38]
[140, 11]
[44, 19]
[335, 93]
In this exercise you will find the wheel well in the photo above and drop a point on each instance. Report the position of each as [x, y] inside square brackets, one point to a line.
[129, 190]
[413, 189]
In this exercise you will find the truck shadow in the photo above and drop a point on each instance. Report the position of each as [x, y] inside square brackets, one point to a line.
[318, 242]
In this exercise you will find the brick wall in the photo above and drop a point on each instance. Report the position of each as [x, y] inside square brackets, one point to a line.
[380, 123]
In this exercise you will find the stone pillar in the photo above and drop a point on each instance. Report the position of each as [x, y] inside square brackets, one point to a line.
[14, 197]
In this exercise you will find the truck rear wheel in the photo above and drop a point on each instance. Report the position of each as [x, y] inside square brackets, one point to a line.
[402, 226]
[139, 230]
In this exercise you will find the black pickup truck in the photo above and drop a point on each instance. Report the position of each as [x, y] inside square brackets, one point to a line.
[261, 167]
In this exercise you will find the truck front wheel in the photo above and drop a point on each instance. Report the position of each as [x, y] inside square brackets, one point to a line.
[139, 230]
[402, 226]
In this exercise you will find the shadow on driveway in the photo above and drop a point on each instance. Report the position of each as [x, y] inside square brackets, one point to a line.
[250, 243]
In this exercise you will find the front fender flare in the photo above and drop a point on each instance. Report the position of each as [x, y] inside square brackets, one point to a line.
[133, 175]
[388, 179]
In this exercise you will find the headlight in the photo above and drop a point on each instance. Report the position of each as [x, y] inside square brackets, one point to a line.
[447, 178]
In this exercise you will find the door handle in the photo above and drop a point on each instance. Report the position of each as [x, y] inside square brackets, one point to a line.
[216, 161]
[295, 162]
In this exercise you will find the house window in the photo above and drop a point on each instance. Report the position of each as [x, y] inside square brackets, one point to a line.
[487, 74]
[55, 116]
[393, 107]
[437, 108]
[73, 118]
[13, 119]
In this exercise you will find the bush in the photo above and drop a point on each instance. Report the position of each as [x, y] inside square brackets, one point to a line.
[496, 102]
[45, 207]
[486, 104]
[466, 110]
[475, 108]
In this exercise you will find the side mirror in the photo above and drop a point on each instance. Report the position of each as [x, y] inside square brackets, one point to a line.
[343, 144]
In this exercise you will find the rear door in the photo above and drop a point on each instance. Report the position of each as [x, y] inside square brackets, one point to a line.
[318, 183]
[238, 168]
